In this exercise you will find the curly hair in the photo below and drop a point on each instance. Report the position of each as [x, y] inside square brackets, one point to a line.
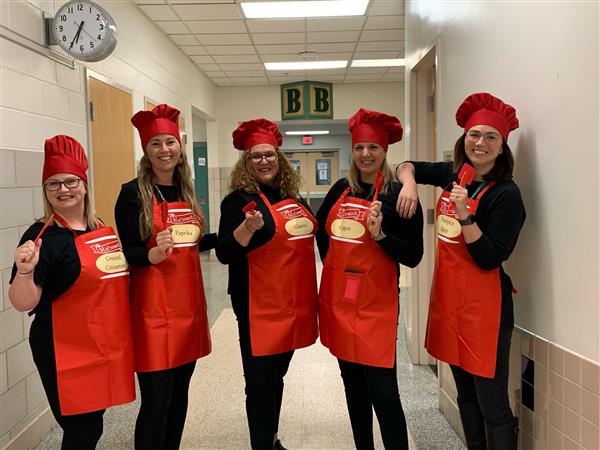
[182, 176]
[243, 177]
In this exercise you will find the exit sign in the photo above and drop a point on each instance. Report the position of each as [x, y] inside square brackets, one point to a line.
[307, 140]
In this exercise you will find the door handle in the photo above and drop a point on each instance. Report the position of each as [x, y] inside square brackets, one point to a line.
[430, 216]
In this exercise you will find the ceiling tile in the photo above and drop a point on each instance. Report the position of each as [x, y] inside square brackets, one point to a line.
[242, 67]
[401, 70]
[223, 39]
[173, 27]
[365, 77]
[278, 49]
[330, 72]
[295, 74]
[384, 22]
[380, 46]
[275, 25]
[209, 67]
[285, 80]
[337, 24]
[327, 78]
[150, 2]
[184, 39]
[291, 57]
[367, 70]
[236, 59]
[387, 8]
[286, 57]
[207, 12]
[159, 12]
[193, 50]
[331, 48]
[230, 49]
[183, 2]
[222, 82]
[216, 26]
[248, 79]
[377, 55]
[278, 38]
[333, 36]
[383, 35]
[215, 74]
[245, 73]
[202, 59]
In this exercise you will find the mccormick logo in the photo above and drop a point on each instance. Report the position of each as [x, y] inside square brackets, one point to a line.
[447, 207]
[181, 218]
[351, 213]
[292, 213]
[106, 247]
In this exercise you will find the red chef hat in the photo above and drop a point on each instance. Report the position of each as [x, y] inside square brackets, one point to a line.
[63, 154]
[254, 132]
[163, 119]
[485, 109]
[373, 126]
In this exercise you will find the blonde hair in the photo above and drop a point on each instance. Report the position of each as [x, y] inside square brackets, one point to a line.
[243, 177]
[353, 177]
[182, 176]
[88, 209]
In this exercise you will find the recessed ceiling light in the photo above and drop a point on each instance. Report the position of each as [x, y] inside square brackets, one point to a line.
[325, 8]
[306, 133]
[398, 62]
[306, 65]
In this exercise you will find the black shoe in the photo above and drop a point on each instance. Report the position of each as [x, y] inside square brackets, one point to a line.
[277, 445]
[504, 437]
[473, 426]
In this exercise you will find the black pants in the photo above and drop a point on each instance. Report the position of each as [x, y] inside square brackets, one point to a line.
[264, 389]
[80, 431]
[369, 388]
[164, 405]
[491, 394]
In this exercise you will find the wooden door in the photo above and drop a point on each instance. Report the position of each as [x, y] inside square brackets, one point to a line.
[112, 155]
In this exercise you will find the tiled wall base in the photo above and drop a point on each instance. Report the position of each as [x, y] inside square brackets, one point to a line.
[554, 392]
[34, 430]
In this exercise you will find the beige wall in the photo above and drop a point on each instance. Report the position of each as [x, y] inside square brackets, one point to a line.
[544, 61]
[41, 98]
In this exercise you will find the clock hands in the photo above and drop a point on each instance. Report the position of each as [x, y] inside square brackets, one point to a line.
[76, 37]
[83, 29]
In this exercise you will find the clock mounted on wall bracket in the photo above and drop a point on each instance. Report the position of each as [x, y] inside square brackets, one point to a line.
[83, 29]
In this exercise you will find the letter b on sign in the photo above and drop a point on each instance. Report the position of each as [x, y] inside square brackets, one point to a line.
[293, 101]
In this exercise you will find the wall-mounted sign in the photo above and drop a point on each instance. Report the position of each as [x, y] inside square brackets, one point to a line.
[322, 171]
[307, 100]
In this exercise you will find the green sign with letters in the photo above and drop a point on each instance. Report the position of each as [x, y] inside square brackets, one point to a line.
[306, 100]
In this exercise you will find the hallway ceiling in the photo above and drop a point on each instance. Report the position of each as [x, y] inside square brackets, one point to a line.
[230, 49]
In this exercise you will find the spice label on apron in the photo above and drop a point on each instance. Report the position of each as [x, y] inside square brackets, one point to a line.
[111, 259]
[297, 221]
[348, 225]
[185, 231]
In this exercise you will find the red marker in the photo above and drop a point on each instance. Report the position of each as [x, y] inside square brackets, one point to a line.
[249, 207]
[378, 184]
[164, 213]
[466, 174]
[48, 221]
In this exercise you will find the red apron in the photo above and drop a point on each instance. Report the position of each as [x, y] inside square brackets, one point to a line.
[358, 298]
[92, 329]
[283, 283]
[464, 308]
[168, 306]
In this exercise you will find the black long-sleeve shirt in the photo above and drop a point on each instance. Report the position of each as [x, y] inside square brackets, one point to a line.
[500, 216]
[230, 252]
[403, 240]
[127, 218]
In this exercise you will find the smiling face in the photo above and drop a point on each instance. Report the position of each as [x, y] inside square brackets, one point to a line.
[264, 163]
[65, 192]
[163, 152]
[368, 157]
[483, 144]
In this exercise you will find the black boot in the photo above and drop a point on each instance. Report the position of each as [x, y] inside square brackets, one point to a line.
[277, 445]
[473, 426]
[504, 437]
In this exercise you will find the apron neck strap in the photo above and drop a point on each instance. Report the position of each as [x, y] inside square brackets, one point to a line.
[482, 189]
[60, 219]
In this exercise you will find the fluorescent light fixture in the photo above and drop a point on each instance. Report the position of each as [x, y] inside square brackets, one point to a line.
[325, 8]
[398, 62]
[306, 133]
[306, 65]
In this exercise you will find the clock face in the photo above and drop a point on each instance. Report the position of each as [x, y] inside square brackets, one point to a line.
[85, 30]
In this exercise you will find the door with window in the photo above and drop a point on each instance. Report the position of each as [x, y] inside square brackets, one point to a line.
[201, 180]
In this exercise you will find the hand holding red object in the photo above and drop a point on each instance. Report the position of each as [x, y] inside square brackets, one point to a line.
[378, 184]
[48, 221]
[249, 207]
[466, 174]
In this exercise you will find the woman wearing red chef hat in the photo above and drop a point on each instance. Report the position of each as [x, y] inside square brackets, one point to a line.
[479, 218]
[266, 236]
[362, 240]
[71, 274]
[161, 227]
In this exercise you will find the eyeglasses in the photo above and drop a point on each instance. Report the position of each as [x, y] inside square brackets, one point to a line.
[69, 183]
[257, 158]
[488, 138]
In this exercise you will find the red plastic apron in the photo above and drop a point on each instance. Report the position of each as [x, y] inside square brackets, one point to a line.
[92, 329]
[358, 298]
[283, 283]
[168, 306]
[464, 308]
